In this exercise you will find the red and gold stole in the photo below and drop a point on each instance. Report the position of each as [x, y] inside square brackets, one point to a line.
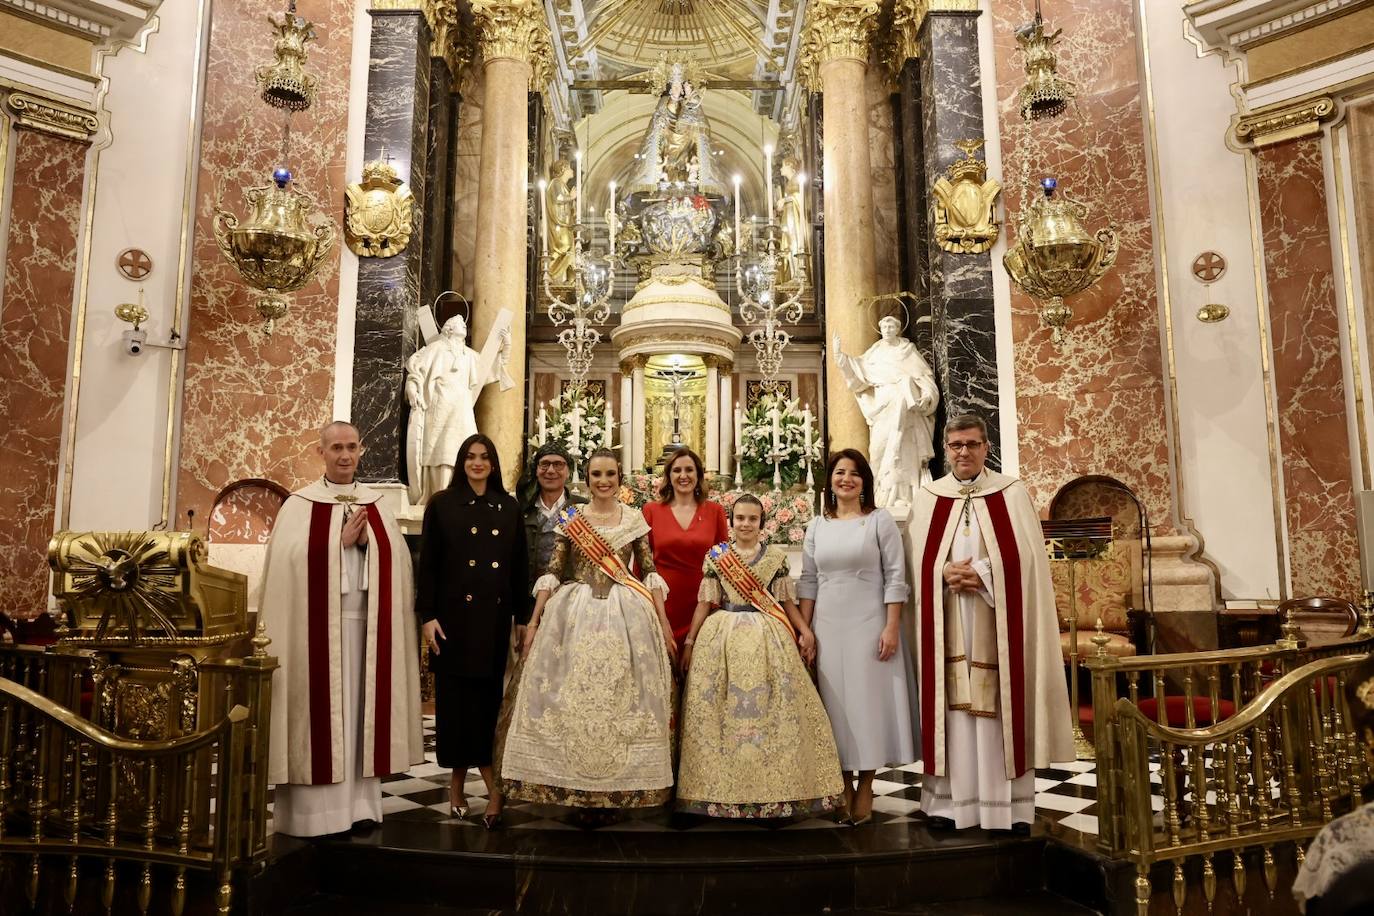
[732, 568]
[586, 539]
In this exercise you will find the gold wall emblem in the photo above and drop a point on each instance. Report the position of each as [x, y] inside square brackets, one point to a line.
[965, 197]
[379, 215]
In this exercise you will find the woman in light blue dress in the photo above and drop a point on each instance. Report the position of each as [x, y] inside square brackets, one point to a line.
[852, 589]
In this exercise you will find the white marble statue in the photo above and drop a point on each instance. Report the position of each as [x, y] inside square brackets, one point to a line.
[897, 393]
[443, 381]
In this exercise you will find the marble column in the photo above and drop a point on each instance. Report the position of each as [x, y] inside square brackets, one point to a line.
[836, 44]
[436, 273]
[638, 416]
[912, 204]
[712, 456]
[513, 45]
[959, 286]
[727, 421]
[386, 329]
[627, 401]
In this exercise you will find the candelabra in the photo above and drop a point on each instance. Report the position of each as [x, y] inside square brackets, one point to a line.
[764, 300]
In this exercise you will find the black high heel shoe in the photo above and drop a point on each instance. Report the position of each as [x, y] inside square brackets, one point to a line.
[493, 821]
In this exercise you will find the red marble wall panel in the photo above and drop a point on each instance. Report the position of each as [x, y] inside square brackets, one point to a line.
[1308, 375]
[252, 404]
[245, 514]
[1094, 405]
[35, 323]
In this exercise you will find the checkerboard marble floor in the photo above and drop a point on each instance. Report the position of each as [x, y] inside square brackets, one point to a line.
[1065, 795]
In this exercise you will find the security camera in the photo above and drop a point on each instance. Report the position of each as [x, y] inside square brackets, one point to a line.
[135, 340]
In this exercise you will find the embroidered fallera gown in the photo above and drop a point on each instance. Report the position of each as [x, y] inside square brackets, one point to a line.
[756, 741]
[587, 720]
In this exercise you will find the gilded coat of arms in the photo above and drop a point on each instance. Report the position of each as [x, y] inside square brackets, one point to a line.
[379, 216]
[965, 218]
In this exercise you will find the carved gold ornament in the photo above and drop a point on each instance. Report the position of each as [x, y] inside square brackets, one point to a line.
[965, 204]
[515, 29]
[52, 117]
[1045, 94]
[379, 214]
[835, 30]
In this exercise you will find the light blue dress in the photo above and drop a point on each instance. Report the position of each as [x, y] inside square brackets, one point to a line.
[853, 568]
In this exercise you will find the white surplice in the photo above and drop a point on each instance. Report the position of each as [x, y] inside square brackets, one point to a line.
[302, 810]
[976, 793]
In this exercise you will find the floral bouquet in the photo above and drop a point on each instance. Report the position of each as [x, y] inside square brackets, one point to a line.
[638, 488]
[756, 442]
[558, 425]
[785, 515]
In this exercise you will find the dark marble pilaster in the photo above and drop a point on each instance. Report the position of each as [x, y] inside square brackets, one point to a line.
[389, 289]
[441, 149]
[913, 255]
[959, 286]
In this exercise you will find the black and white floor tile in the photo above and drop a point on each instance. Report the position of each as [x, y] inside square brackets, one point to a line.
[1065, 795]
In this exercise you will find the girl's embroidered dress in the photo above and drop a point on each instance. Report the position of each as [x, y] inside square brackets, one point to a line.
[756, 741]
[587, 720]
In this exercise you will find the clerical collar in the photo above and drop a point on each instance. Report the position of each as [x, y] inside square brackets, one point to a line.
[968, 489]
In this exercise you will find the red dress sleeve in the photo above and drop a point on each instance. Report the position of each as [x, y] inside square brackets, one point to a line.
[722, 524]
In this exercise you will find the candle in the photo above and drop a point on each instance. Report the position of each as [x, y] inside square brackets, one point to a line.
[806, 425]
[777, 431]
[543, 425]
[577, 194]
[738, 243]
[768, 177]
[610, 425]
[739, 430]
[613, 222]
[576, 421]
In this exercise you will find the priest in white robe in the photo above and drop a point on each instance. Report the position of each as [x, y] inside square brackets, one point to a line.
[337, 601]
[994, 705]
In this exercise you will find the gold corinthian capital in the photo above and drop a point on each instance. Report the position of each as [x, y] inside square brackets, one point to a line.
[835, 30]
[514, 29]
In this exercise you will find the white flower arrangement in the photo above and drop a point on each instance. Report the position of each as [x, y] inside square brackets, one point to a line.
[756, 444]
[557, 425]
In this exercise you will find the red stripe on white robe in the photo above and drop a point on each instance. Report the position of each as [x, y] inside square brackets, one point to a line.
[319, 585]
[382, 698]
[932, 602]
[1014, 614]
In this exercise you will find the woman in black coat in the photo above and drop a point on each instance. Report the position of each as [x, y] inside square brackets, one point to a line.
[469, 588]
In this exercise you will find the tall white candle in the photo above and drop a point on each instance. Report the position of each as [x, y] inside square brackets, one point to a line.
[543, 425]
[576, 421]
[739, 430]
[806, 425]
[738, 243]
[610, 425]
[777, 430]
[577, 194]
[768, 172]
[613, 221]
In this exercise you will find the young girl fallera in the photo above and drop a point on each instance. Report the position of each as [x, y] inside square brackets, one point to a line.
[756, 742]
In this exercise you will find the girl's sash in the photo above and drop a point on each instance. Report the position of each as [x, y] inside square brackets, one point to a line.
[740, 576]
[586, 539]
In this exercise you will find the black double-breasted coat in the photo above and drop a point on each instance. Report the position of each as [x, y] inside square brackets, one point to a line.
[472, 579]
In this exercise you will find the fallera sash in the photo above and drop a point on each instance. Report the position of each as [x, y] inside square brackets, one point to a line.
[732, 568]
[586, 539]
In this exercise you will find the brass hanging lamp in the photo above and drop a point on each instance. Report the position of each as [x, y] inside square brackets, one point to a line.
[284, 82]
[1054, 256]
[1046, 94]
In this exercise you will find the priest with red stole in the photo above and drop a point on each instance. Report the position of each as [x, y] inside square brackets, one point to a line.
[338, 603]
[993, 701]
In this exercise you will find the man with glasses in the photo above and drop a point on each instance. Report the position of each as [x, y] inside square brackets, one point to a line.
[993, 701]
[552, 467]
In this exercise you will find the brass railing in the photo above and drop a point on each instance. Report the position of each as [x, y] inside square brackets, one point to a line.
[72, 790]
[1275, 761]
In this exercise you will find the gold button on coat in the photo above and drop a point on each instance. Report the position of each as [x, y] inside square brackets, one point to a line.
[495, 565]
[472, 562]
[468, 597]
[495, 532]
[474, 529]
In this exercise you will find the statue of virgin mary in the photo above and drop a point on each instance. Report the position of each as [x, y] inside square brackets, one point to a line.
[676, 149]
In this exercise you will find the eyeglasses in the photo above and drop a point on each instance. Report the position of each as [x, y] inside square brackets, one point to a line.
[956, 447]
[552, 466]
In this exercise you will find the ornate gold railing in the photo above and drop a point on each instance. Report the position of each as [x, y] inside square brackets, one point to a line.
[72, 790]
[1275, 760]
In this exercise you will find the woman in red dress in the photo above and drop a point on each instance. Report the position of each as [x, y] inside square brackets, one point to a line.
[683, 526]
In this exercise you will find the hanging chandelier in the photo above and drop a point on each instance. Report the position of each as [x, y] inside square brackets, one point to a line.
[1045, 94]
